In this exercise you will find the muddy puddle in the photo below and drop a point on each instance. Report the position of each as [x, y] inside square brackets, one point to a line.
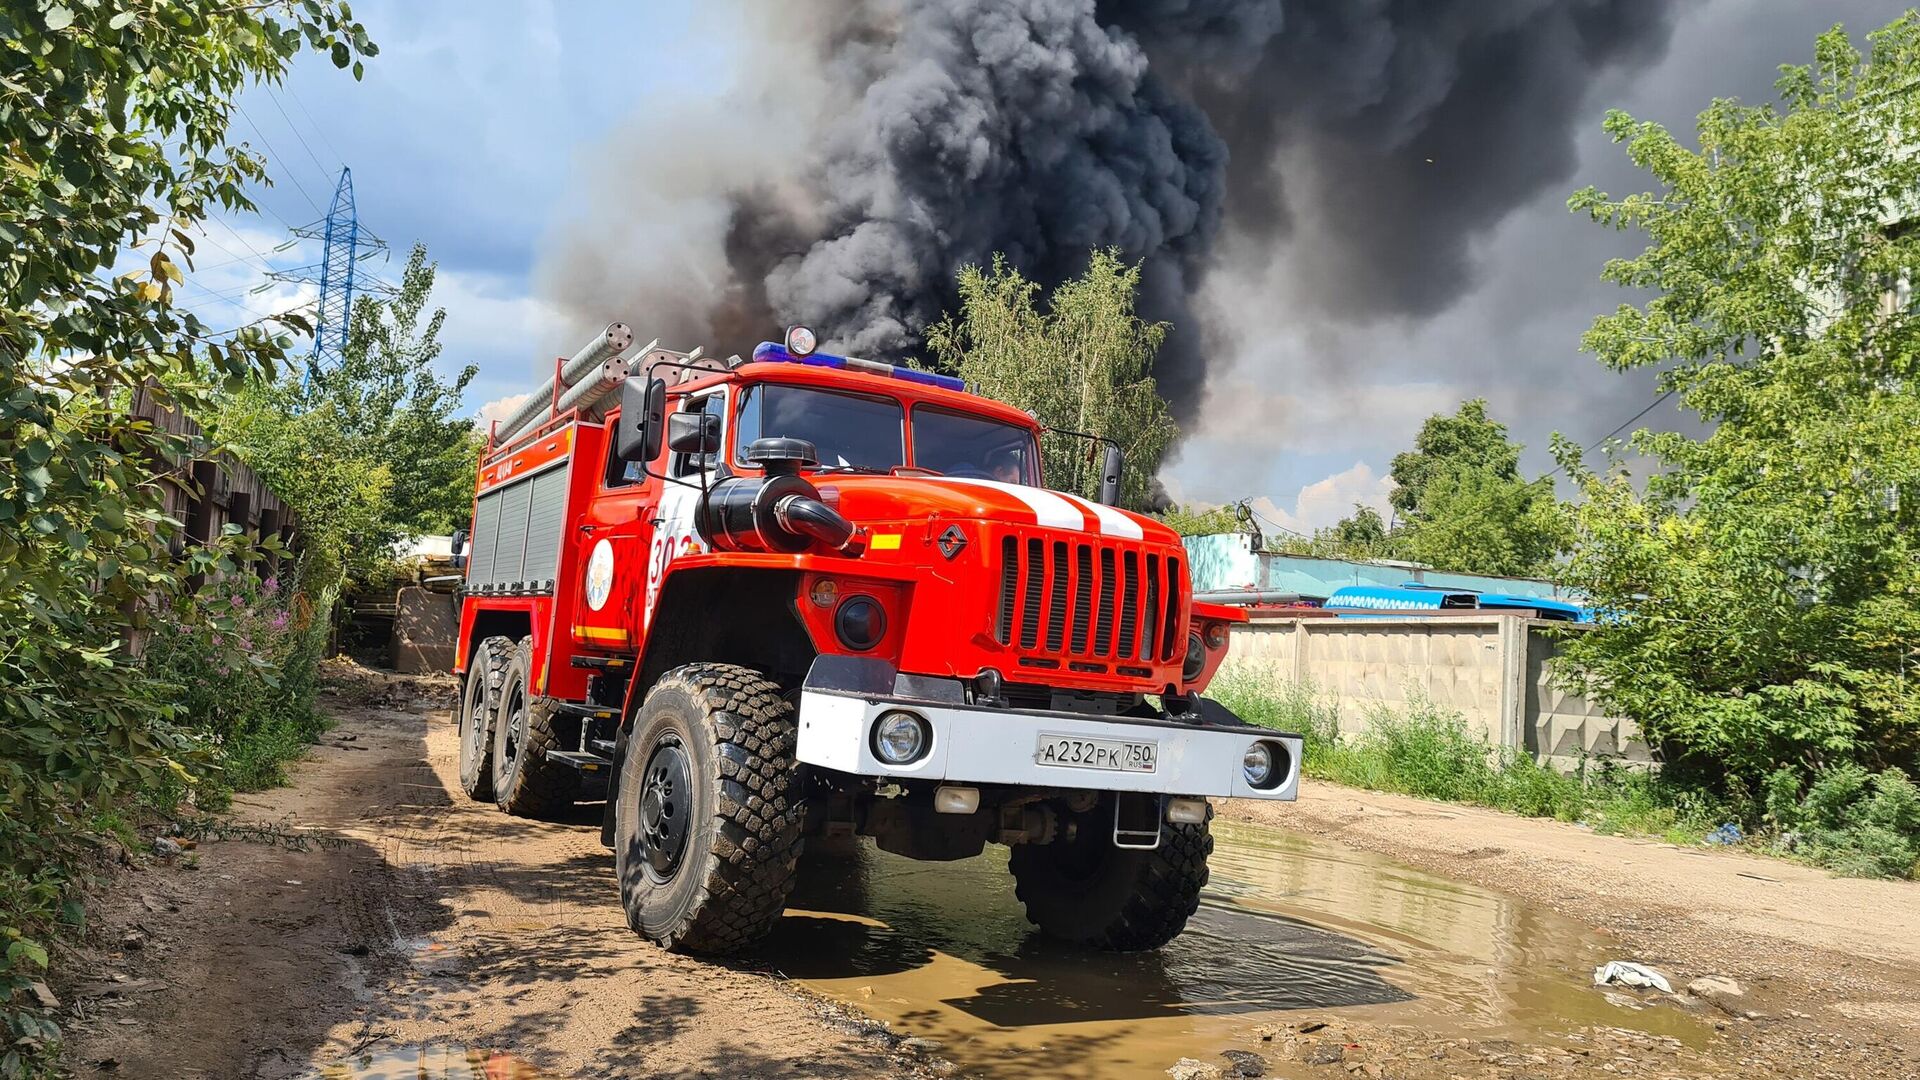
[1289, 928]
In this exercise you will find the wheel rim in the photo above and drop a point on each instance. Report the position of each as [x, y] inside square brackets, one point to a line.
[476, 733]
[516, 706]
[666, 794]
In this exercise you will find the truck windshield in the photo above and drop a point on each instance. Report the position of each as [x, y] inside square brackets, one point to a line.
[862, 431]
[959, 444]
[846, 429]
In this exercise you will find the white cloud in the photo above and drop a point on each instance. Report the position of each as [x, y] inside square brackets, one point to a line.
[1329, 499]
[499, 409]
[492, 321]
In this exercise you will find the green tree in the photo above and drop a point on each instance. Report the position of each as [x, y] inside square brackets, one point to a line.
[394, 405]
[368, 450]
[1195, 520]
[113, 136]
[1477, 522]
[1467, 439]
[1463, 504]
[1083, 363]
[1761, 591]
[1361, 535]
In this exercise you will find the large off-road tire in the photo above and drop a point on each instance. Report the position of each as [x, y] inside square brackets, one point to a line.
[1083, 889]
[706, 829]
[479, 700]
[525, 783]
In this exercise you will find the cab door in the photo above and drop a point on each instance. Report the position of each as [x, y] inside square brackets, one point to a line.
[612, 535]
[638, 525]
[675, 534]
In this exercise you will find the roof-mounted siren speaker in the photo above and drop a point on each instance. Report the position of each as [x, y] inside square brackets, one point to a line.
[801, 340]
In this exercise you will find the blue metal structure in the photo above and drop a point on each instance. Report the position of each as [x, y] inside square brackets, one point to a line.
[1232, 561]
[1417, 598]
[344, 245]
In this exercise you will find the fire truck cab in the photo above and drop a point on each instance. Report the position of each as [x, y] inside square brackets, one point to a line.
[753, 604]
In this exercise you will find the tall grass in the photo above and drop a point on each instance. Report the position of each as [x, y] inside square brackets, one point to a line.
[1856, 823]
[1429, 752]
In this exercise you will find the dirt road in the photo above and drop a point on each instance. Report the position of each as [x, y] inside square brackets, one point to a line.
[414, 918]
[370, 922]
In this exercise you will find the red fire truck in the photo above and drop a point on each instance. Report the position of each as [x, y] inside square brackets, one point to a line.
[803, 596]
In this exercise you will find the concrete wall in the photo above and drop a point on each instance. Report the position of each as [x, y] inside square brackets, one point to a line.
[1228, 561]
[1494, 670]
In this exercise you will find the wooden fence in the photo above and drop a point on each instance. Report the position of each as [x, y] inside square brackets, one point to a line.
[209, 493]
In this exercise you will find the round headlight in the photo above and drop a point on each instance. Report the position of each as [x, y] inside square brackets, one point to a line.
[860, 623]
[1196, 658]
[1257, 764]
[1216, 635]
[900, 738]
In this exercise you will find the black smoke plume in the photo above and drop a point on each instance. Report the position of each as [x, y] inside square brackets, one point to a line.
[938, 133]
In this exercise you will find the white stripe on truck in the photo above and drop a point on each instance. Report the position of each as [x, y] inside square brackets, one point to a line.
[1049, 509]
[1112, 522]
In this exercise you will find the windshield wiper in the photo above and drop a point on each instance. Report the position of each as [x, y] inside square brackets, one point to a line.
[864, 470]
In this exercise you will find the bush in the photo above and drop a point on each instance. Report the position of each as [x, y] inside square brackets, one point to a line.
[1858, 823]
[1851, 820]
[239, 660]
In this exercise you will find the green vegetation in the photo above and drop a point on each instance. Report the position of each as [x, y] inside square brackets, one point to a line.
[1200, 521]
[1849, 820]
[329, 441]
[113, 122]
[1097, 375]
[1762, 585]
[1459, 504]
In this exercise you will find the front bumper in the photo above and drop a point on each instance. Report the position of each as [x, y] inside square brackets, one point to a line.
[978, 745]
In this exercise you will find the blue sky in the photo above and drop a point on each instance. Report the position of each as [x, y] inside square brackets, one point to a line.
[482, 127]
[465, 134]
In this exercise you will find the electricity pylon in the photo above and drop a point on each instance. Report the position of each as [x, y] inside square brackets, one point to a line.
[345, 244]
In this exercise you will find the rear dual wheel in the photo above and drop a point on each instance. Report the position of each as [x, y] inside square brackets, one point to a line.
[526, 782]
[707, 823]
[479, 701]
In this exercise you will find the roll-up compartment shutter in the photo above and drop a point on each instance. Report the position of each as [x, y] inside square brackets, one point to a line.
[544, 520]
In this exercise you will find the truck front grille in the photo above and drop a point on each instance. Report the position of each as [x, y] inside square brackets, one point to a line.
[1087, 605]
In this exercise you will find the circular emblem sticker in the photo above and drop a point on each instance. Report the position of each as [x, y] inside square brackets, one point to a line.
[599, 575]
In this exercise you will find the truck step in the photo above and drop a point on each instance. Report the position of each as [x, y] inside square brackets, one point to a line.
[603, 747]
[586, 711]
[604, 663]
[593, 770]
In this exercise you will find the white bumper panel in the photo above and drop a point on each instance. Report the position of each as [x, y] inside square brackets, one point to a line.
[988, 746]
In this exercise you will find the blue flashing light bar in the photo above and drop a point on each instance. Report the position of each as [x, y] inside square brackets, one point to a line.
[772, 352]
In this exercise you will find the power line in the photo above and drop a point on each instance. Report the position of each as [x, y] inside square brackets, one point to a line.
[315, 158]
[1622, 427]
[317, 129]
[291, 175]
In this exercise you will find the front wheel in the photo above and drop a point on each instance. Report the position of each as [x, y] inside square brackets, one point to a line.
[1081, 888]
[708, 812]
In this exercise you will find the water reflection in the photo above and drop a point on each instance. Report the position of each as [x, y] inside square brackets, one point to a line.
[1287, 924]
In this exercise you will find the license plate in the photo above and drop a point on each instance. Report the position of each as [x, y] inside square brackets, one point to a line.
[1112, 755]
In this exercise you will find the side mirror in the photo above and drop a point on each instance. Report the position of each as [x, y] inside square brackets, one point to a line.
[458, 549]
[693, 433]
[643, 419]
[1112, 463]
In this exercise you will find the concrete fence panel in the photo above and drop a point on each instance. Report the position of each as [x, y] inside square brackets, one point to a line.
[1495, 671]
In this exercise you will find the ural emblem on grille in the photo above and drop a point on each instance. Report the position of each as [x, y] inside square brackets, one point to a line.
[952, 542]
